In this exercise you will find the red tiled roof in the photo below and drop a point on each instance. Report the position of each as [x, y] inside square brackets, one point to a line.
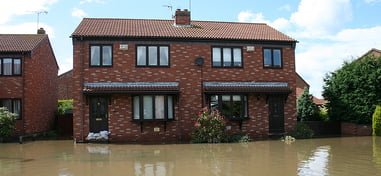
[147, 28]
[20, 42]
[299, 92]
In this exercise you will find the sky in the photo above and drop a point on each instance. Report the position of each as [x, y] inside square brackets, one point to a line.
[329, 31]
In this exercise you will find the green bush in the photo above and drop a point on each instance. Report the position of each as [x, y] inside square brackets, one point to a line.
[301, 131]
[209, 127]
[64, 106]
[306, 108]
[7, 122]
[376, 121]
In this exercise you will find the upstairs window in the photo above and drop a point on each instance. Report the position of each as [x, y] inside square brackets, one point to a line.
[272, 58]
[153, 107]
[226, 57]
[101, 55]
[152, 56]
[10, 66]
[232, 107]
[13, 105]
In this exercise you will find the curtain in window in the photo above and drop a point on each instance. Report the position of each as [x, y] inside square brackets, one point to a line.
[7, 66]
[95, 56]
[147, 107]
[17, 108]
[217, 57]
[267, 57]
[152, 58]
[142, 55]
[227, 53]
[164, 55]
[159, 107]
[107, 55]
[170, 107]
[237, 57]
[136, 107]
[16, 66]
[277, 57]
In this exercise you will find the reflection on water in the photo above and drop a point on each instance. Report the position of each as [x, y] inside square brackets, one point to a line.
[333, 156]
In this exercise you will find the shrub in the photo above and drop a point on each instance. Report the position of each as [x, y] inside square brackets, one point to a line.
[301, 131]
[306, 108]
[209, 127]
[376, 121]
[7, 122]
[64, 106]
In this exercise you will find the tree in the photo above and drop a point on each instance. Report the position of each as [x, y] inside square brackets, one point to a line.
[353, 90]
[306, 108]
[376, 121]
[7, 122]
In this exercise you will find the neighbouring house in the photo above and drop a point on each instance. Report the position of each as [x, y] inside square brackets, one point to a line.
[372, 52]
[28, 80]
[146, 80]
[300, 85]
[65, 85]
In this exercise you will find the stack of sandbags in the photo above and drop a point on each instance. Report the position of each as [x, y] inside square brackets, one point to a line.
[101, 136]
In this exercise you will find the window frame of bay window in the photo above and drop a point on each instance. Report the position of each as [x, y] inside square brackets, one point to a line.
[272, 59]
[158, 56]
[169, 107]
[101, 55]
[243, 100]
[12, 68]
[222, 57]
[12, 104]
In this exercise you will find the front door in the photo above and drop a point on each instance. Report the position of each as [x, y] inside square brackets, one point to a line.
[276, 114]
[98, 114]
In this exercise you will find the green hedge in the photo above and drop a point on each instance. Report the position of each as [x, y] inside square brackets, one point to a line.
[376, 121]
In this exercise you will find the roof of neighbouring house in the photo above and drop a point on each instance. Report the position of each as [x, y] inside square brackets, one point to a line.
[374, 52]
[20, 42]
[299, 92]
[148, 28]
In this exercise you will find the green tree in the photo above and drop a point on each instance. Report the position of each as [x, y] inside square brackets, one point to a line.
[306, 108]
[353, 90]
[7, 122]
[376, 121]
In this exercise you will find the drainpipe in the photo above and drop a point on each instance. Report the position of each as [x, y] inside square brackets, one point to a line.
[82, 79]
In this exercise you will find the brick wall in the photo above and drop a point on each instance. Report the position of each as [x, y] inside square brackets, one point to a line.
[65, 86]
[190, 76]
[40, 89]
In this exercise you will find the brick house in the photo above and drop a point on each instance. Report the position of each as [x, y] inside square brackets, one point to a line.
[146, 80]
[65, 85]
[28, 80]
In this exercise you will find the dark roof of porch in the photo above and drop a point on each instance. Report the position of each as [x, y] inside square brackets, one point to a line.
[130, 87]
[247, 87]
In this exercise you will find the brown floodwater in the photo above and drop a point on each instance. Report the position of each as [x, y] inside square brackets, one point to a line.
[329, 156]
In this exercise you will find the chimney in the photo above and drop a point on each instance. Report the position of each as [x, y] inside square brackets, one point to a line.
[41, 31]
[182, 18]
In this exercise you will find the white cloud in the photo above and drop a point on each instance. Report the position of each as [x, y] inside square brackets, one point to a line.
[65, 65]
[321, 18]
[7, 8]
[26, 28]
[247, 16]
[78, 13]
[372, 1]
[285, 7]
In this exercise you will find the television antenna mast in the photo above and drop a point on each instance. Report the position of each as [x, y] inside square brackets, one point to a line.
[38, 15]
[170, 7]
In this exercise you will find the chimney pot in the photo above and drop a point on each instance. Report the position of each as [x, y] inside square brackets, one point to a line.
[182, 18]
[41, 31]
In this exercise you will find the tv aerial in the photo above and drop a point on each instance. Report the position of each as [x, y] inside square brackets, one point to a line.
[170, 7]
[38, 15]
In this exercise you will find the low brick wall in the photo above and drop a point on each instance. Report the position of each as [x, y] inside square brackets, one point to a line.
[322, 129]
[352, 129]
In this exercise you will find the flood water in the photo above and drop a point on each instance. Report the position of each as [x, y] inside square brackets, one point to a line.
[330, 156]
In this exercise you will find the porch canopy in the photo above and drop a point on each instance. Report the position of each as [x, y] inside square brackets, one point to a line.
[247, 87]
[130, 87]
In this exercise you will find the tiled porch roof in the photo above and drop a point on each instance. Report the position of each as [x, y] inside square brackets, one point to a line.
[248, 87]
[130, 87]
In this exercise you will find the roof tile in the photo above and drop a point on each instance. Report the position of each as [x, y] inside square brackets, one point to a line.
[20, 42]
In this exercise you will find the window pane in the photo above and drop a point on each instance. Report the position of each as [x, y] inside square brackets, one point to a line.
[1, 67]
[237, 57]
[225, 97]
[16, 66]
[159, 107]
[17, 108]
[152, 50]
[170, 107]
[147, 107]
[107, 55]
[226, 106]
[217, 57]
[227, 57]
[136, 105]
[267, 57]
[164, 55]
[214, 102]
[277, 58]
[6, 103]
[237, 108]
[142, 55]
[7, 66]
[95, 56]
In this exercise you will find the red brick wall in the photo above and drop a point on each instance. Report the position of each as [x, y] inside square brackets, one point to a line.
[65, 86]
[40, 89]
[190, 76]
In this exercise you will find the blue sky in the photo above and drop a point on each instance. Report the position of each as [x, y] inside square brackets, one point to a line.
[329, 31]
